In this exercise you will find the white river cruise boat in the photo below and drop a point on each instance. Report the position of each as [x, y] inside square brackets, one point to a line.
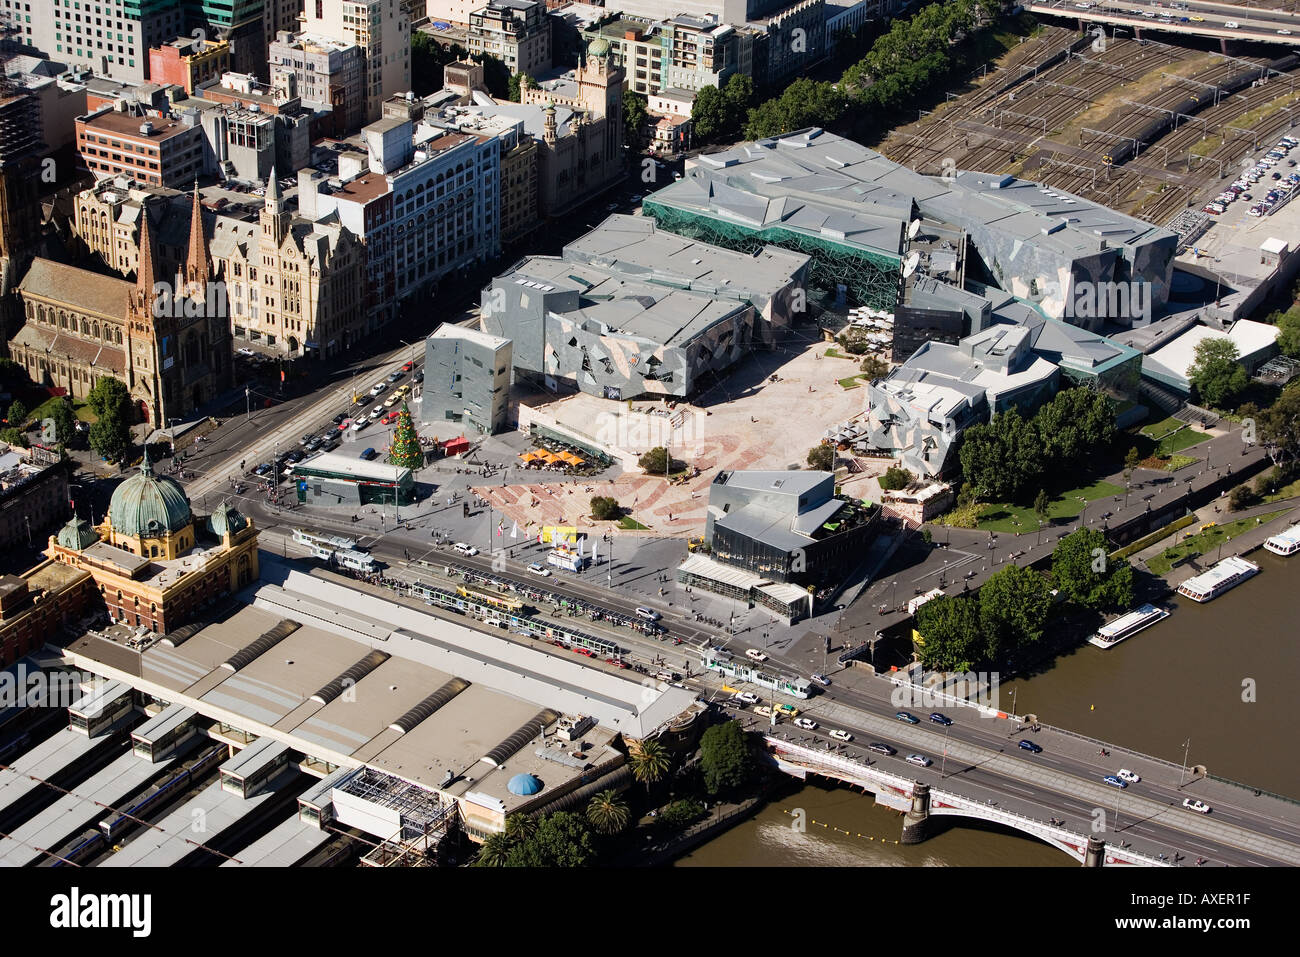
[1229, 573]
[1114, 632]
[1285, 543]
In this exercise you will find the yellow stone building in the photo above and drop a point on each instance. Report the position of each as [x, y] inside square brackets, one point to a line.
[155, 563]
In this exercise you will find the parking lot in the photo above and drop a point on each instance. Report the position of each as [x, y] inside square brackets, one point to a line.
[1265, 186]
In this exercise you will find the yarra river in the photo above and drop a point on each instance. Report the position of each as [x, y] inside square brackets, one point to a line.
[1219, 675]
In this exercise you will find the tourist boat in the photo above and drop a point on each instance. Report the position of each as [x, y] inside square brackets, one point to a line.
[1113, 633]
[1285, 543]
[1227, 574]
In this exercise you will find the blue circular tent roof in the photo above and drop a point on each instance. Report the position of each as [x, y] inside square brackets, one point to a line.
[524, 784]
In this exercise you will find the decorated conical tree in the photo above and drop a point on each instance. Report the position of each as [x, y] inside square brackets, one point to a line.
[405, 450]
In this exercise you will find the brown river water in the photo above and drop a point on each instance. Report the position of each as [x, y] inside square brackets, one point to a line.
[1190, 678]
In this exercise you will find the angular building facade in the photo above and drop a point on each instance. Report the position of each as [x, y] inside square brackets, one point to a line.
[628, 310]
[466, 380]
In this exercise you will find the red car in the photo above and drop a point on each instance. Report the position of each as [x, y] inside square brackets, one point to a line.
[345, 425]
[585, 652]
[408, 367]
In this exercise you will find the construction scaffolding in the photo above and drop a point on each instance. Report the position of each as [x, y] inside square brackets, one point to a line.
[427, 820]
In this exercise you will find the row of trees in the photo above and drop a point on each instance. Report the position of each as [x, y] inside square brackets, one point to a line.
[1007, 459]
[570, 839]
[1010, 611]
[914, 56]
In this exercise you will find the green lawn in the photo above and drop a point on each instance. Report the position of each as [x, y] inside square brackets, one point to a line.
[627, 521]
[1200, 543]
[836, 354]
[1177, 462]
[85, 413]
[1065, 505]
[1170, 436]
[851, 382]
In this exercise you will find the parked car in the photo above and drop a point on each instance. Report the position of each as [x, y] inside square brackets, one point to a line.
[839, 735]
[942, 719]
[305, 439]
[1029, 746]
[418, 377]
[1200, 807]
[1124, 774]
[294, 457]
[908, 717]
[368, 454]
[808, 724]
[376, 414]
[880, 748]
[359, 424]
[1114, 781]
[338, 419]
[920, 760]
[264, 468]
[537, 568]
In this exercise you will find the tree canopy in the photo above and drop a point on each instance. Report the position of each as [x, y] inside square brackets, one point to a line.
[1014, 603]
[950, 632]
[725, 759]
[1082, 570]
[109, 394]
[1215, 372]
[562, 839]
[822, 457]
[1007, 458]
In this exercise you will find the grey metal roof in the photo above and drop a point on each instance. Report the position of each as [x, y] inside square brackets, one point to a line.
[787, 482]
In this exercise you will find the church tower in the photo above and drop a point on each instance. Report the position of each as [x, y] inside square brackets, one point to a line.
[274, 217]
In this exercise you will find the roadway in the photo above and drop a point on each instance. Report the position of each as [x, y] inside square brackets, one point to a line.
[1064, 780]
[1267, 26]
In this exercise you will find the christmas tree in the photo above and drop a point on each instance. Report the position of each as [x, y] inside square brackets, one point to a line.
[405, 451]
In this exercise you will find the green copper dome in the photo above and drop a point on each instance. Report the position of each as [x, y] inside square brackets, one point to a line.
[78, 534]
[146, 506]
[226, 521]
[598, 47]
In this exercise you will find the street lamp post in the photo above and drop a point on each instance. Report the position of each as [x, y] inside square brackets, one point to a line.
[1186, 745]
[943, 766]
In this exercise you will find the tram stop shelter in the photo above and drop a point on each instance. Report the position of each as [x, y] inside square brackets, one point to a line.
[334, 479]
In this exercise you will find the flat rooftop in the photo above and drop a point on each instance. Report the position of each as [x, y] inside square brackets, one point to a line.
[658, 313]
[636, 247]
[487, 692]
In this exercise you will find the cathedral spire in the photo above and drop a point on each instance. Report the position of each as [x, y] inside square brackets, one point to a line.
[197, 267]
[146, 273]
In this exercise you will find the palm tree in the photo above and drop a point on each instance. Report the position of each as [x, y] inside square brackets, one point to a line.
[608, 812]
[494, 851]
[649, 762]
[520, 827]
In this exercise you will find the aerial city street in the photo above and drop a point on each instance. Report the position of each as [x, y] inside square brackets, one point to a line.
[536, 434]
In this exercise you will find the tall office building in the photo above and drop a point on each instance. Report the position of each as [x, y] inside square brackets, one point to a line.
[383, 31]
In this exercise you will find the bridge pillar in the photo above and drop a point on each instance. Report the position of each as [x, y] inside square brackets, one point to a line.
[1096, 852]
[916, 821]
[1223, 45]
